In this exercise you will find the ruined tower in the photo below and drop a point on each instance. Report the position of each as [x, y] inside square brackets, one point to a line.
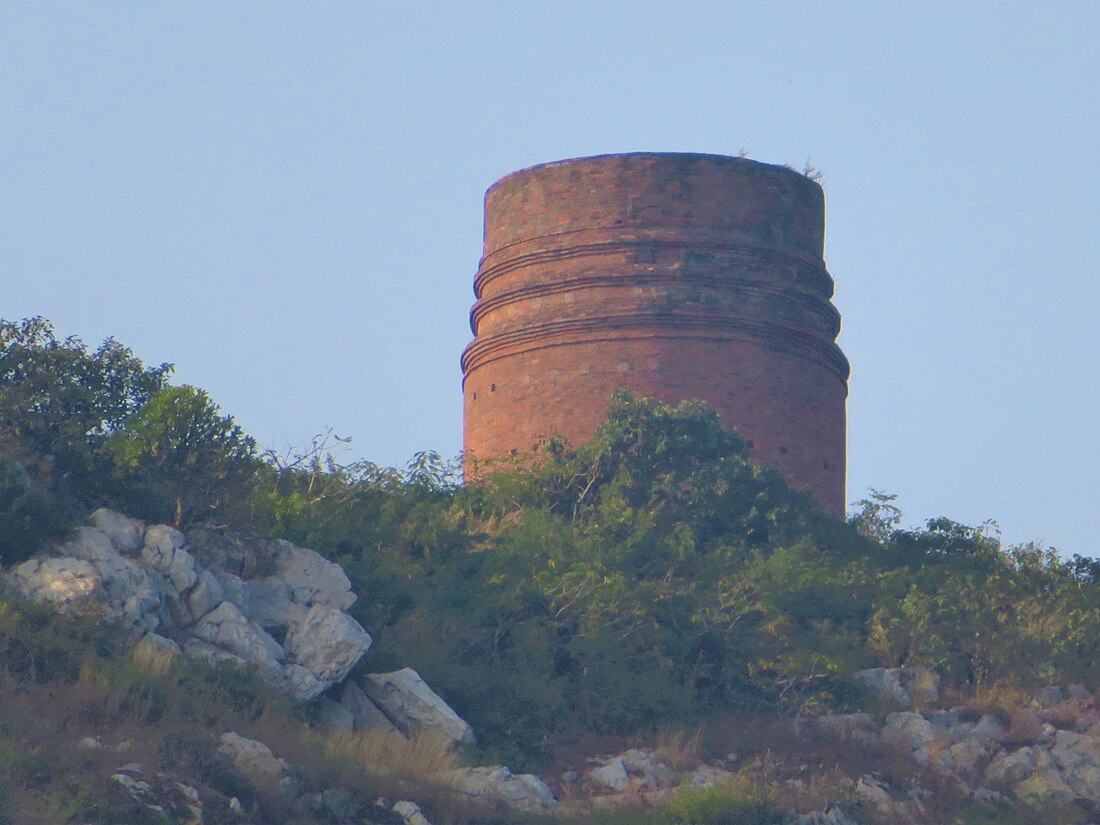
[674, 276]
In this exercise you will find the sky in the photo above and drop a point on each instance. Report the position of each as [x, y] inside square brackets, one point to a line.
[284, 199]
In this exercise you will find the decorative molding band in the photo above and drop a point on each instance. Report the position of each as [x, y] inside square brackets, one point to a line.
[816, 277]
[612, 328]
[822, 309]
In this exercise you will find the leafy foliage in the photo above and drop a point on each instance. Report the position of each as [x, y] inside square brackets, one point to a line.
[178, 447]
[59, 401]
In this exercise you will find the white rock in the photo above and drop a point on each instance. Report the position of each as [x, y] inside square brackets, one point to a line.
[858, 726]
[125, 533]
[297, 682]
[414, 708]
[1078, 758]
[410, 812]
[885, 683]
[1012, 768]
[62, 581]
[922, 684]
[251, 757]
[236, 591]
[152, 645]
[1045, 786]
[272, 605]
[313, 579]
[364, 713]
[909, 731]
[517, 792]
[204, 650]
[645, 764]
[88, 543]
[327, 642]
[227, 628]
[961, 758]
[611, 775]
[988, 729]
[207, 594]
[164, 552]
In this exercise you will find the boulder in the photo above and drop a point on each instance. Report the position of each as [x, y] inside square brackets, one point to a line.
[1078, 759]
[1045, 787]
[651, 771]
[365, 715]
[164, 552]
[1012, 768]
[207, 594]
[909, 731]
[328, 642]
[62, 581]
[961, 758]
[124, 533]
[517, 792]
[414, 708]
[252, 758]
[301, 580]
[227, 628]
[410, 813]
[611, 775]
[885, 684]
[857, 726]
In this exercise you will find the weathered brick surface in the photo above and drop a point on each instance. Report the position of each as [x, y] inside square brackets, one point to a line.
[675, 276]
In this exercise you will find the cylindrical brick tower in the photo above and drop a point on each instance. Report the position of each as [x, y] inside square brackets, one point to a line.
[674, 276]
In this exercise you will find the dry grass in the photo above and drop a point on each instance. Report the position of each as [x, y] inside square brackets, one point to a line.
[679, 749]
[416, 760]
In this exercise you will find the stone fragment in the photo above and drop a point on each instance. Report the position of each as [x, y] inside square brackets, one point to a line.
[414, 708]
[517, 792]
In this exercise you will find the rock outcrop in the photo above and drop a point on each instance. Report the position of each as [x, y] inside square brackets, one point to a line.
[211, 595]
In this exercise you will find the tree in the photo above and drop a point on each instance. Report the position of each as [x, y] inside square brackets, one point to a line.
[59, 402]
[181, 449]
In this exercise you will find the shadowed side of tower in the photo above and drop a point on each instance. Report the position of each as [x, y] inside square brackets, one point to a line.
[674, 276]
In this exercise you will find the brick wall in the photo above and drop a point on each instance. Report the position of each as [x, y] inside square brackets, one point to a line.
[674, 276]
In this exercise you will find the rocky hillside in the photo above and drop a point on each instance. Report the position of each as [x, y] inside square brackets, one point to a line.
[177, 601]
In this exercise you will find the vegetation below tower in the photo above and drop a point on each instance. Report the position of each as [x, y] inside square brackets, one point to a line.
[649, 580]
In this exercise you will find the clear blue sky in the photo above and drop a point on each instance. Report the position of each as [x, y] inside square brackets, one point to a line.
[284, 199]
